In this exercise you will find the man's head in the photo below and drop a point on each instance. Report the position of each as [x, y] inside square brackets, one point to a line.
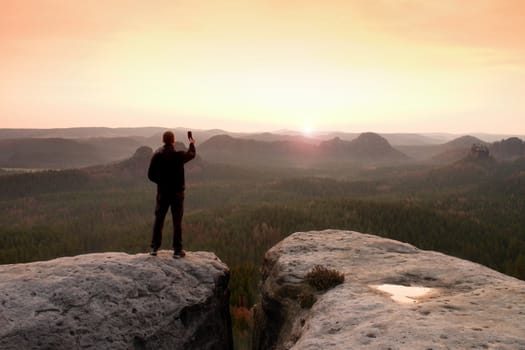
[168, 138]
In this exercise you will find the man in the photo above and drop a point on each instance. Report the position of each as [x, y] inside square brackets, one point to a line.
[166, 169]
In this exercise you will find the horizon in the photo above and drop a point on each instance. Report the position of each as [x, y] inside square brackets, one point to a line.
[413, 67]
[318, 135]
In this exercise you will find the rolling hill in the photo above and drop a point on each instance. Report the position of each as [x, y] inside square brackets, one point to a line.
[508, 149]
[81, 147]
[456, 149]
[77, 133]
[53, 153]
[445, 153]
[367, 148]
[60, 153]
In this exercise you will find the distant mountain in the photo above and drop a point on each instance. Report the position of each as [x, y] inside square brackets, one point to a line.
[264, 136]
[395, 139]
[445, 153]
[112, 148]
[373, 146]
[137, 165]
[228, 149]
[456, 149]
[134, 167]
[463, 142]
[77, 133]
[420, 152]
[47, 153]
[80, 147]
[146, 135]
[345, 136]
[497, 137]
[271, 137]
[60, 153]
[369, 147]
[181, 135]
[229, 144]
[398, 139]
[231, 150]
[509, 149]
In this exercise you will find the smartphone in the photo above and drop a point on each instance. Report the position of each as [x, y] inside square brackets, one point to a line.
[190, 136]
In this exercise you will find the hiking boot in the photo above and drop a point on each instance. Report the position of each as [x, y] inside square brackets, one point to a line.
[153, 252]
[179, 254]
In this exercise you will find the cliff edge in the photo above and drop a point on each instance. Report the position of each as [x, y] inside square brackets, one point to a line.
[116, 301]
[394, 296]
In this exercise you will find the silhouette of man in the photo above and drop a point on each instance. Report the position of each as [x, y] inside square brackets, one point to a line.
[166, 169]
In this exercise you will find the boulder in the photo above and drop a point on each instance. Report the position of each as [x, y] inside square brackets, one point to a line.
[394, 296]
[116, 301]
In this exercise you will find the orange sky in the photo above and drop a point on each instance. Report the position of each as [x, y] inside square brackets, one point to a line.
[241, 65]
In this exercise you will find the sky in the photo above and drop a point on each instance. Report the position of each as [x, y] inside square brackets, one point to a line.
[241, 65]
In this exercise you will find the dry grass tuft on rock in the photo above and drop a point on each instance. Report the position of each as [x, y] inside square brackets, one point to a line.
[322, 278]
[306, 299]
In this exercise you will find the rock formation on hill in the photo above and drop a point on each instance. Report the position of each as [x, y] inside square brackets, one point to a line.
[134, 167]
[116, 301]
[479, 152]
[461, 305]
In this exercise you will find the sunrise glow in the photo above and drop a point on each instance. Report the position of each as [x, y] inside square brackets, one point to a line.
[264, 65]
[308, 130]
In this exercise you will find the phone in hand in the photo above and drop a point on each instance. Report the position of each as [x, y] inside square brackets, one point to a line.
[190, 135]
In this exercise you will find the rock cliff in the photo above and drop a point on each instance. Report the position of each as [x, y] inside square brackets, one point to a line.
[116, 301]
[394, 296]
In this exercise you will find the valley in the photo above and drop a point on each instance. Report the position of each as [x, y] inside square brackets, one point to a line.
[245, 195]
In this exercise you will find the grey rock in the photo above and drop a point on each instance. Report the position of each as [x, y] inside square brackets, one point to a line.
[116, 301]
[470, 306]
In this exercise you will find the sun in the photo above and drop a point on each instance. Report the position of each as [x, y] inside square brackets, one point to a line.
[308, 130]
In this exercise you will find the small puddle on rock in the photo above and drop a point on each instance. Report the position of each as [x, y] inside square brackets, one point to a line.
[404, 294]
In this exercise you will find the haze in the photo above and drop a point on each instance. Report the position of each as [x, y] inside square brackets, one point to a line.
[386, 66]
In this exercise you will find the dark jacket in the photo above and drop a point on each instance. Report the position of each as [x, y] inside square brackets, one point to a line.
[166, 168]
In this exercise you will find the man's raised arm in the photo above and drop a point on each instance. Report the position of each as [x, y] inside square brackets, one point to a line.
[190, 154]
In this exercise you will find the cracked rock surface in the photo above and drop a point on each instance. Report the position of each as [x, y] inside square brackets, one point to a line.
[116, 301]
[470, 306]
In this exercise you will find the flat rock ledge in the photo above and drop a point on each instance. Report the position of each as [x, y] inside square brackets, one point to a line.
[467, 306]
[116, 301]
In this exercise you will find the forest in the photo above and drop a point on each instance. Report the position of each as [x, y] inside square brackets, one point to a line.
[469, 210]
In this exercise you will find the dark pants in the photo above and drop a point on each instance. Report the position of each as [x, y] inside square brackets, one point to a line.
[175, 200]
